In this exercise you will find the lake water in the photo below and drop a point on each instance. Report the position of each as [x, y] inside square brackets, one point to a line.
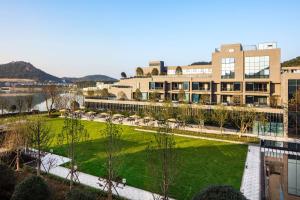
[39, 102]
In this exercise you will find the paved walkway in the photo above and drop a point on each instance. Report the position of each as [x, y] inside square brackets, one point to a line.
[195, 137]
[251, 182]
[51, 164]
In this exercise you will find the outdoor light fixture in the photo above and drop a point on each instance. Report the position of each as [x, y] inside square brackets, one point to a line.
[124, 182]
[75, 167]
[51, 151]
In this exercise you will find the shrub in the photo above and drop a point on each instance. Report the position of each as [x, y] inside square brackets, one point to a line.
[7, 182]
[221, 192]
[76, 194]
[33, 187]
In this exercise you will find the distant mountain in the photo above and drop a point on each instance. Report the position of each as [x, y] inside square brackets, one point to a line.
[291, 63]
[94, 78]
[25, 70]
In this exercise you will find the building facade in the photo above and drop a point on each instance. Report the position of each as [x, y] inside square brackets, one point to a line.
[236, 75]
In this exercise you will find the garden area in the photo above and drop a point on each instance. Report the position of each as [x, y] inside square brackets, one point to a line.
[202, 162]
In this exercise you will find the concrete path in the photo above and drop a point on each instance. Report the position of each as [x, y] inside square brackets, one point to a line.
[51, 162]
[251, 182]
[195, 137]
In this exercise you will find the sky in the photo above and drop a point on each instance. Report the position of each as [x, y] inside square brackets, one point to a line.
[77, 38]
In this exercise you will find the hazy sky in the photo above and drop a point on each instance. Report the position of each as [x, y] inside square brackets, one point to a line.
[75, 38]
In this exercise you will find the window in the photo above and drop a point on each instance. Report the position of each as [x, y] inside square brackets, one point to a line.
[186, 85]
[227, 68]
[260, 87]
[257, 67]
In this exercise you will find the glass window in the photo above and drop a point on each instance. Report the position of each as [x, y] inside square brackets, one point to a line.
[227, 68]
[257, 67]
[186, 85]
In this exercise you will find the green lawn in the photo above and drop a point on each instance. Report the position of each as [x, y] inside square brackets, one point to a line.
[203, 162]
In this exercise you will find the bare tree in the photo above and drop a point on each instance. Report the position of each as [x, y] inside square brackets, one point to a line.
[63, 101]
[29, 102]
[220, 115]
[50, 94]
[73, 132]
[163, 159]
[112, 135]
[181, 95]
[16, 138]
[243, 118]
[200, 118]
[40, 137]
[3, 104]
[20, 100]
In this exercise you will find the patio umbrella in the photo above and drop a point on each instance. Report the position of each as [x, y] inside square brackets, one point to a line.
[63, 110]
[135, 116]
[172, 120]
[91, 113]
[148, 118]
[104, 114]
[117, 115]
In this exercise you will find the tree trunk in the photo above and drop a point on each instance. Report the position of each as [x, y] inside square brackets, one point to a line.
[18, 160]
[109, 179]
[39, 154]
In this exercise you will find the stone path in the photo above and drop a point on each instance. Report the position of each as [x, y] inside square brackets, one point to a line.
[51, 164]
[251, 182]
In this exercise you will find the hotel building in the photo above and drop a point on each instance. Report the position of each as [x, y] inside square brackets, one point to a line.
[237, 75]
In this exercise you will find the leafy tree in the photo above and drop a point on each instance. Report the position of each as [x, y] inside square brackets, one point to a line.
[7, 182]
[112, 142]
[122, 96]
[72, 133]
[154, 72]
[33, 187]
[123, 75]
[178, 70]
[204, 99]
[291, 63]
[220, 115]
[104, 92]
[221, 192]
[90, 93]
[139, 71]
[138, 94]
[237, 99]
[76, 194]
[40, 137]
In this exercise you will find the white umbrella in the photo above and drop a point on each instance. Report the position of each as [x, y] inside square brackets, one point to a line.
[135, 116]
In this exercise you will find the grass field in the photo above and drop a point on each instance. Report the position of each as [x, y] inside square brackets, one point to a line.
[203, 162]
